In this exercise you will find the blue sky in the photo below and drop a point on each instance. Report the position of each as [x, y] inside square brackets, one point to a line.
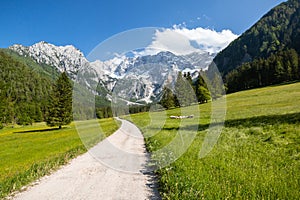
[87, 23]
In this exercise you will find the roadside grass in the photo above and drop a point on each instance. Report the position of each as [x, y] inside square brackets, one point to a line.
[256, 157]
[30, 152]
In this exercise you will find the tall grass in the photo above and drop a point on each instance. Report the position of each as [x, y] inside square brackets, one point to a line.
[28, 153]
[257, 155]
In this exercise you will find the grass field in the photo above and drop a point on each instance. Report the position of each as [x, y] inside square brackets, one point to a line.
[256, 157]
[27, 153]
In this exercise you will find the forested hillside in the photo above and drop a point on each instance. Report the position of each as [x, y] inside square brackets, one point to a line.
[280, 67]
[265, 54]
[24, 92]
[41, 68]
[278, 30]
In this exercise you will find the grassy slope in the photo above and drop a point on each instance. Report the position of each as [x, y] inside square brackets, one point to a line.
[256, 157]
[27, 153]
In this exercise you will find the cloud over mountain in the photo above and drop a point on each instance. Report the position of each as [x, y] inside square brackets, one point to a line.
[181, 40]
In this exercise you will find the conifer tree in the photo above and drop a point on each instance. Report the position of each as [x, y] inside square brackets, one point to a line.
[60, 109]
[201, 90]
[168, 99]
[189, 78]
[184, 92]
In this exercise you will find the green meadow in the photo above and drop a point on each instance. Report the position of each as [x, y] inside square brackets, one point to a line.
[30, 152]
[257, 155]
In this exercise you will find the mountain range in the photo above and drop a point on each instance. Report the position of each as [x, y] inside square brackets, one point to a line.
[137, 79]
[265, 54]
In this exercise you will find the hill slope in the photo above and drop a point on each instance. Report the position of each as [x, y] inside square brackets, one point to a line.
[43, 69]
[23, 91]
[278, 30]
[256, 157]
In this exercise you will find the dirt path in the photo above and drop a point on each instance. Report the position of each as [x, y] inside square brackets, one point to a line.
[113, 169]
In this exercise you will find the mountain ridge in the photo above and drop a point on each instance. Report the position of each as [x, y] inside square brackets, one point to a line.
[151, 71]
[277, 30]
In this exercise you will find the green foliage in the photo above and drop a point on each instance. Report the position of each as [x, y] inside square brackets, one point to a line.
[168, 99]
[60, 109]
[278, 30]
[256, 157]
[104, 112]
[282, 66]
[265, 54]
[214, 82]
[139, 108]
[183, 91]
[203, 94]
[23, 92]
[43, 70]
[84, 102]
[188, 77]
[186, 91]
[201, 89]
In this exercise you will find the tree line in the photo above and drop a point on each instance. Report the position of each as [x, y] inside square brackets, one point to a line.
[280, 67]
[186, 91]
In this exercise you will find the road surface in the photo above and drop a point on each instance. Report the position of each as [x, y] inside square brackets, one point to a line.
[113, 169]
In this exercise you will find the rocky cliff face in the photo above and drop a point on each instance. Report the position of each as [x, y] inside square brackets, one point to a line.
[134, 78]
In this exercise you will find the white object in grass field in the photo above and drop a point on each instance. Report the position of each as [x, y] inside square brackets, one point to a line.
[181, 117]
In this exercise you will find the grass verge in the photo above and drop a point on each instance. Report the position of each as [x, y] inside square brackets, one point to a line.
[28, 153]
[257, 155]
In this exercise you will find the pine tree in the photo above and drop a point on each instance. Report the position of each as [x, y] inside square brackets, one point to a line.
[168, 99]
[189, 78]
[60, 109]
[184, 92]
[215, 85]
[201, 90]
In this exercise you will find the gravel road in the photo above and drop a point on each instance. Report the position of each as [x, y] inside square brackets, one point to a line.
[113, 169]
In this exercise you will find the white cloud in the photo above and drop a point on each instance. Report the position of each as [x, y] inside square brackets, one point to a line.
[181, 40]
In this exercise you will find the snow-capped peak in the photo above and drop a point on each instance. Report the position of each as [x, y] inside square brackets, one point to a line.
[134, 77]
[64, 58]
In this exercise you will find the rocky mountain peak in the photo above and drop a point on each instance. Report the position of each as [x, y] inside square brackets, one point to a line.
[145, 75]
[64, 58]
